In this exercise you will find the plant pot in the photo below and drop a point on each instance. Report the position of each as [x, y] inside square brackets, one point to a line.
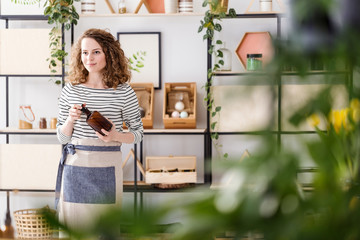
[222, 7]
[171, 6]
[87, 6]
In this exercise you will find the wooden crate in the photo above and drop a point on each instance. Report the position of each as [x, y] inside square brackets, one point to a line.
[173, 92]
[170, 169]
[145, 95]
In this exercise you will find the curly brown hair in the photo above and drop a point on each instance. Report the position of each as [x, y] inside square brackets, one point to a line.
[117, 69]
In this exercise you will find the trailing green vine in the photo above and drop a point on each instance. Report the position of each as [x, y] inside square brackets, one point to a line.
[211, 24]
[60, 13]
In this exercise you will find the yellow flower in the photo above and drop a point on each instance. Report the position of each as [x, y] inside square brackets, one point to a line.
[338, 118]
[355, 109]
[354, 103]
[313, 120]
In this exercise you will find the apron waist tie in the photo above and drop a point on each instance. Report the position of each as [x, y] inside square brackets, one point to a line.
[70, 149]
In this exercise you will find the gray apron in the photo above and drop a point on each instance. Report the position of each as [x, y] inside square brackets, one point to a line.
[89, 180]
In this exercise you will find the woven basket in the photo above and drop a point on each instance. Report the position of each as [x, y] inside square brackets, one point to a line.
[31, 224]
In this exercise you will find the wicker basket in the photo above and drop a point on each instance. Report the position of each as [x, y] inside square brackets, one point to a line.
[31, 224]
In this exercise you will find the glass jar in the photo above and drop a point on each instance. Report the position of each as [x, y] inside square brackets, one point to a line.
[122, 6]
[42, 123]
[53, 123]
[254, 62]
[226, 58]
[265, 5]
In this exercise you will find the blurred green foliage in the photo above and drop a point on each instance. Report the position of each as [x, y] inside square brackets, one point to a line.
[262, 195]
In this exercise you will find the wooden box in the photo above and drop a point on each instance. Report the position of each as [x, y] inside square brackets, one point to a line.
[174, 92]
[145, 95]
[170, 170]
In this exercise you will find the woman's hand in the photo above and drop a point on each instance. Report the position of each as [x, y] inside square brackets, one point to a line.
[110, 136]
[74, 113]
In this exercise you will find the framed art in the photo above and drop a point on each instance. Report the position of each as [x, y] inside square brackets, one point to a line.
[143, 49]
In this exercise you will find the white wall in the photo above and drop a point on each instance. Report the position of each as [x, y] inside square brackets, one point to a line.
[183, 60]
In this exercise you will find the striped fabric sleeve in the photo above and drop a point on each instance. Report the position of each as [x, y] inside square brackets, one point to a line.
[131, 115]
[63, 139]
[63, 114]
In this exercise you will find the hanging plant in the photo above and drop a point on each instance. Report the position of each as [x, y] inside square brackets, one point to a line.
[209, 25]
[60, 13]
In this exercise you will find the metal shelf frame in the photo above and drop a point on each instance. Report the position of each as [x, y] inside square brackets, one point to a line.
[348, 76]
[8, 18]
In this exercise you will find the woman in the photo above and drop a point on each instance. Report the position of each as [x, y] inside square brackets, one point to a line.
[90, 173]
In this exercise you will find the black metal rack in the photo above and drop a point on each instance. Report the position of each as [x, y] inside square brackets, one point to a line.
[278, 84]
[8, 18]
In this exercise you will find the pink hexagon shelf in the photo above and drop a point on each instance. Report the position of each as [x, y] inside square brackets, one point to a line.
[255, 42]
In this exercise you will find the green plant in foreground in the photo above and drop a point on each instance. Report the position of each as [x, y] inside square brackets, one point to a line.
[262, 195]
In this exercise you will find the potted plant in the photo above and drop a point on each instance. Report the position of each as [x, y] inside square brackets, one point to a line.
[60, 13]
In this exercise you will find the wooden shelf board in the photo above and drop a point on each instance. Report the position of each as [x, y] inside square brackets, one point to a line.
[144, 15]
[132, 183]
[314, 72]
[163, 130]
[34, 130]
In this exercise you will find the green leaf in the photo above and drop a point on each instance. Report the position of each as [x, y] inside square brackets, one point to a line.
[213, 114]
[201, 27]
[222, 15]
[219, 42]
[218, 27]
[205, 3]
[212, 126]
[211, 49]
[220, 54]
[221, 62]
[210, 32]
[226, 155]
[218, 109]
[232, 12]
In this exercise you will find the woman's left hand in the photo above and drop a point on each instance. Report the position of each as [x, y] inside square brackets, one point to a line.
[109, 136]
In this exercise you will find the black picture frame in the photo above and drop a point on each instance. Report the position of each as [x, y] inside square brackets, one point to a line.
[144, 52]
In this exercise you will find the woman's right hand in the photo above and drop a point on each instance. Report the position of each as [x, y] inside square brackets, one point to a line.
[74, 113]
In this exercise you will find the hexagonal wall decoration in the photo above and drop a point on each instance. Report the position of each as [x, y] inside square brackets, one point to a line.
[253, 43]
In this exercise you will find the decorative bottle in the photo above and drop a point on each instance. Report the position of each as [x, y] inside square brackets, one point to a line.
[96, 121]
[122, 6]
[226, 58]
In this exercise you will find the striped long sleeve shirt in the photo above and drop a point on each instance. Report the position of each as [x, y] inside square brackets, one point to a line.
[119, 105]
